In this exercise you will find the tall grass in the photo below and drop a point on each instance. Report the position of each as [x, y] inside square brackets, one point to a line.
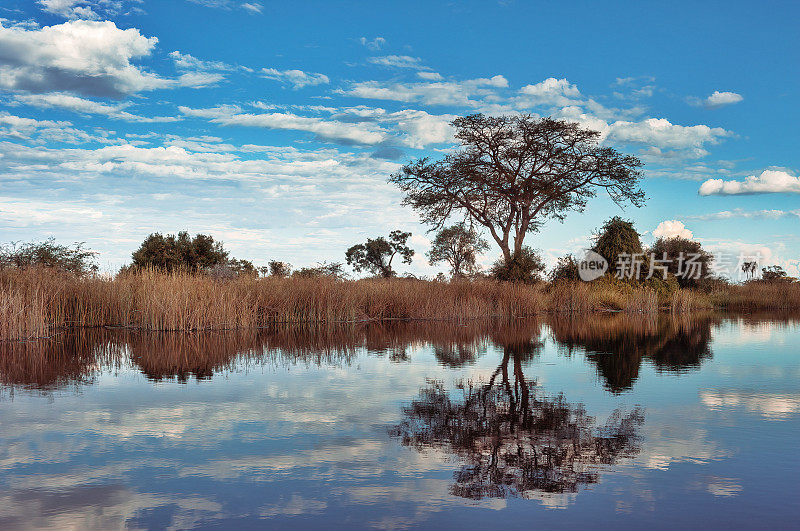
[755, 296]
[36, 302]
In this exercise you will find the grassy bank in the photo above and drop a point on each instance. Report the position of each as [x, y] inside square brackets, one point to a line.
[35, 302]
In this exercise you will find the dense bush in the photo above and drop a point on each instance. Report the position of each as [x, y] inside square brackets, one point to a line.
[279, 269]
[334, 270]
[566, 269]
[686, 260]
[170, 252]
[617, 237]
[525, 267]
[72, 259]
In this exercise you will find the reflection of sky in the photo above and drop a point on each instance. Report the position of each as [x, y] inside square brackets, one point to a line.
[309, 445]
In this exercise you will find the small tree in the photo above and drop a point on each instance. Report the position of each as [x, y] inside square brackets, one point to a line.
[172, 252]
[565, 269]
[525, 267]
[686, 260]
[775, 273]
[617, 237]
[334, 270]
[458, 246]
[376, 255]
[749, 269]
[279, 269]
[71, 259]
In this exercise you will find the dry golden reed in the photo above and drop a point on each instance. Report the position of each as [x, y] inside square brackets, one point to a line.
[36, 302]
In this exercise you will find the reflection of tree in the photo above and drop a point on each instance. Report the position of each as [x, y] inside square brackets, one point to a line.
[617, 344]
[513, 442]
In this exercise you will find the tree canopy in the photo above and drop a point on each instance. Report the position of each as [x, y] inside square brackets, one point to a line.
[459, 247]
[69, 258]
[686, 259]
[173, 252]
[617, 237]
[376, 255]
[512, 173]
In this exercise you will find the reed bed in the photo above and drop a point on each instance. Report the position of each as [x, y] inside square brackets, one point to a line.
[756, 296]
[36, 302]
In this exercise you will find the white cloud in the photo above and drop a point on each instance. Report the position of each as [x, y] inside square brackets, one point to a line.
[43, 131]
[185, 61]
[718, 99]
[430, 76]
[661, 134]
[551, 91]
[769, 181]
[253, 7]
[398, 61]
[331, 130]
[297, 78]
[199, 79]
[84, 9]
[375, 44]
[747, 214]
[85, 106]
[672, 229]
[90, 58]
[437, 93]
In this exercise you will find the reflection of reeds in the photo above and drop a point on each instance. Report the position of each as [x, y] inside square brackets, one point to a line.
[50, 363]
[75, 356]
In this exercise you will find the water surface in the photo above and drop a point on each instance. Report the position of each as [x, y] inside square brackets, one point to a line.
[606, 421]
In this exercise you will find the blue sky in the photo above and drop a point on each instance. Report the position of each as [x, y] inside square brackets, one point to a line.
[273, 126]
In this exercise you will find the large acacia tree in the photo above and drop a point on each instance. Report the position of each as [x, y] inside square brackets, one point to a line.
[512, 173]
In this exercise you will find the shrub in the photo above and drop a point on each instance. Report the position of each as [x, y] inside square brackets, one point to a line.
[566, 269]
[71, 259]
[687, 260]
[525, 267]
[617, 237]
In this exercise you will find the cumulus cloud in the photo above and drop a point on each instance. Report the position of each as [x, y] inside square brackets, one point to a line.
[769, 181]
[86, 106]
[81, 56]
[551, 91]
[717, 99]
[672, 229]
[662, 135]
[85, 9]
[398, 61]
[43, 131]
[326, 129]
[297, 78]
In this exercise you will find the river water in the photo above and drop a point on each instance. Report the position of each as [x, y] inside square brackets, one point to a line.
[602, 421]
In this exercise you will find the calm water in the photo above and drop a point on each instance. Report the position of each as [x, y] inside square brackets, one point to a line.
[600, 422]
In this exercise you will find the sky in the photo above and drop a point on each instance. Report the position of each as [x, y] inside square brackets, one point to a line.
[273, 126]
